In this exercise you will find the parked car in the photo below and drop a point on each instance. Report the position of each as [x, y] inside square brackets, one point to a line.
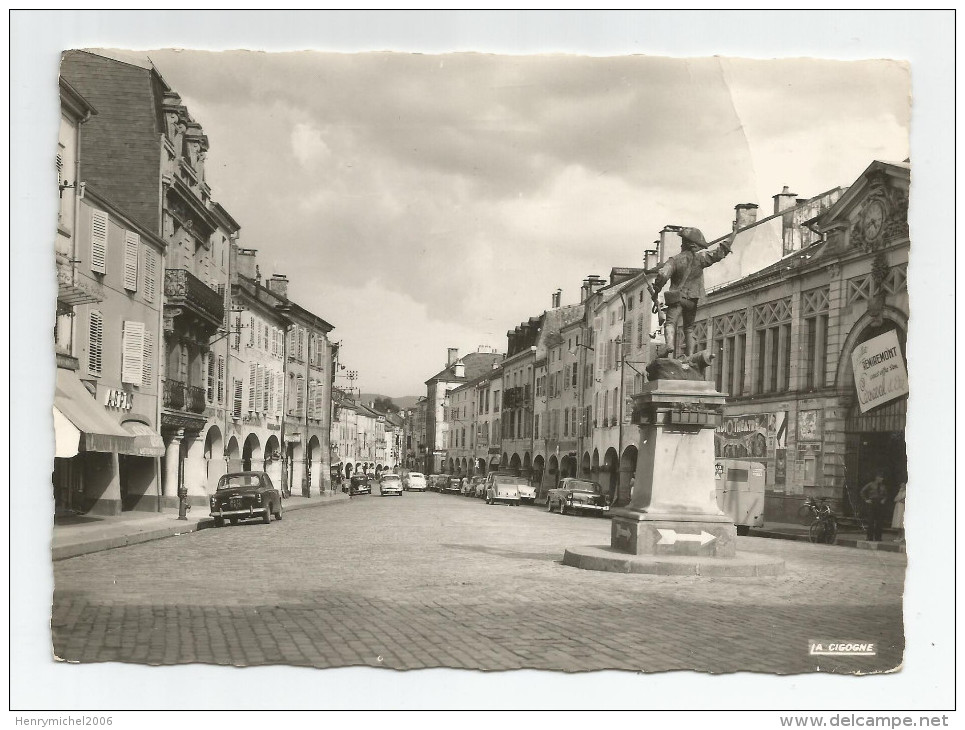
[414, 482]
[359, 484]
[453, 485]
[243, 495]
[466, 489]
[390, 484]
[577, 495]
[504, 488]
[479, 487]
[527, 493]
[437, 482]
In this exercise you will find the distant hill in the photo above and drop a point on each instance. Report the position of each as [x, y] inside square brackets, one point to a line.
[404, 402]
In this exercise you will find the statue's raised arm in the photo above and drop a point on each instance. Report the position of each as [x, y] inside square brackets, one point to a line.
[685, 273]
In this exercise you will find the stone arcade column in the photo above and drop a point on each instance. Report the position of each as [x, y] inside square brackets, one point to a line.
[673, 525]
[172, 462]
[195, 478]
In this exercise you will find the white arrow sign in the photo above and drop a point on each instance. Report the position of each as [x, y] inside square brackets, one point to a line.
[669, 537]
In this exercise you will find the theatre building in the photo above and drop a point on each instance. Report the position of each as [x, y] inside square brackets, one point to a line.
[811, 349]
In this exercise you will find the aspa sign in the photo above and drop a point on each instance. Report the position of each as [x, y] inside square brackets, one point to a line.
[879, 371]
[119, 399]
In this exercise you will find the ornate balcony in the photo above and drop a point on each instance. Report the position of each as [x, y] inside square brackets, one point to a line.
[174, 394]
[184, 291]
[195, 399]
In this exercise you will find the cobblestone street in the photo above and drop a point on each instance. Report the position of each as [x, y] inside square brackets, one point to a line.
[430, 580]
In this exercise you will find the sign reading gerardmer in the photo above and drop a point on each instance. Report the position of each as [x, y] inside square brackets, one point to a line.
[879, 371]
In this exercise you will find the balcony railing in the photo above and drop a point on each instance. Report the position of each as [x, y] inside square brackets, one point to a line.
[196, 402]
[174, 394]
[180, 396]
[184, 289]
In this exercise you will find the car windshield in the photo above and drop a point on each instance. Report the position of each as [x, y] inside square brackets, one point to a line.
[415, 475]
[230, 481]
[582, 486]
[390, 478]
[511, 481]
[359, 480]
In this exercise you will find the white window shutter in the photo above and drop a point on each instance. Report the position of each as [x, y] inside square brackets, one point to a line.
[211, 378]
[265, 389]
[132, 242]
[279, 392]
[252, 376]
[148, 360]
[132, 352]
[311, 397]
[259, 378]
[236, 337]
[320, 401]
[98, 241]
[95, 342]
[150, 275]
[299, 395]
[251, 331]
[220, 378]
[271, 391]
[236, 408]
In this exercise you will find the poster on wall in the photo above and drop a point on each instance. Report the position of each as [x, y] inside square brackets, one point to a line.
[755, 436]
[879, 371]
[808, 426]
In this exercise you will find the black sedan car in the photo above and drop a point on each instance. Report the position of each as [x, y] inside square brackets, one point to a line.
[360, 484]
[244, 495]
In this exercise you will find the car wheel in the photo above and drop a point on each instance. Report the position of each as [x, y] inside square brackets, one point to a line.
[266, 516]
[278, 513]
[233, 520]
[562, 508]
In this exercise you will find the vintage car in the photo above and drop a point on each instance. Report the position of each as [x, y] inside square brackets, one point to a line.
[390, 484]
[414, 482]
[438, 482]
[527, 493]
[577, 495]
[479, 487]
[359, 484]
[243, 495]
[466, 489]
[453, 485]
[504, 488]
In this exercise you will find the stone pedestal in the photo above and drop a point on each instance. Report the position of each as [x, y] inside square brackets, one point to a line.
[673, 523]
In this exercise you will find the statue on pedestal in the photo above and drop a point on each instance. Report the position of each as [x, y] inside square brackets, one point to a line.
[685, 273]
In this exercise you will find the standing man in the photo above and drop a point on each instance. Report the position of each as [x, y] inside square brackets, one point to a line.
[875, 496]
[685, 272]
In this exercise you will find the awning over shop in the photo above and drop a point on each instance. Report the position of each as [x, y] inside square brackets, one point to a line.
[97, 430]
[66, 437]
[147, 441]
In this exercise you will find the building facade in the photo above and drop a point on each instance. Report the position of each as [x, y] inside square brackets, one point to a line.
[786, 336]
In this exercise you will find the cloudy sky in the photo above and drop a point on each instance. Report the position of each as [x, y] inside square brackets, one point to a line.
[420, 202]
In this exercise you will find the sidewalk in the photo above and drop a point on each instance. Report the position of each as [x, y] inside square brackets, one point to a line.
[848, 536]
[83, 534]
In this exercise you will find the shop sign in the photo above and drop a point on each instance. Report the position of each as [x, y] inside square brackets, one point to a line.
[879, 371]
[293, 438]
[119, 399]
[274, 427]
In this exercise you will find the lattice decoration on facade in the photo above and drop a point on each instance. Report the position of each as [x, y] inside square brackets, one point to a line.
[700, 330]
[815, 301]
[862, 288]
[730, 324]
[771, 313]
[897, 280]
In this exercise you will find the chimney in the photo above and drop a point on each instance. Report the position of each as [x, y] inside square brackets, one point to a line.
[590, 284]
[669, 242]
[459, 369]
[278, 285]
[453, 356]
[744, 215]
[556, 298]
[246, 263]
[784, 200]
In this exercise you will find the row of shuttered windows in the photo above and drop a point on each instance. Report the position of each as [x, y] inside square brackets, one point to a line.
[269, 339]
[147, 275]
[264, 394]
[137, 350]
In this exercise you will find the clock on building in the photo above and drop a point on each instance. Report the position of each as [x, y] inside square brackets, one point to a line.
[873, 219]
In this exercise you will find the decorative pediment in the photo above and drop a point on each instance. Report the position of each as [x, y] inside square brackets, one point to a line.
[882, 216]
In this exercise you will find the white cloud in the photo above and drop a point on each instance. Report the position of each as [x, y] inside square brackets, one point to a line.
[308, 145]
